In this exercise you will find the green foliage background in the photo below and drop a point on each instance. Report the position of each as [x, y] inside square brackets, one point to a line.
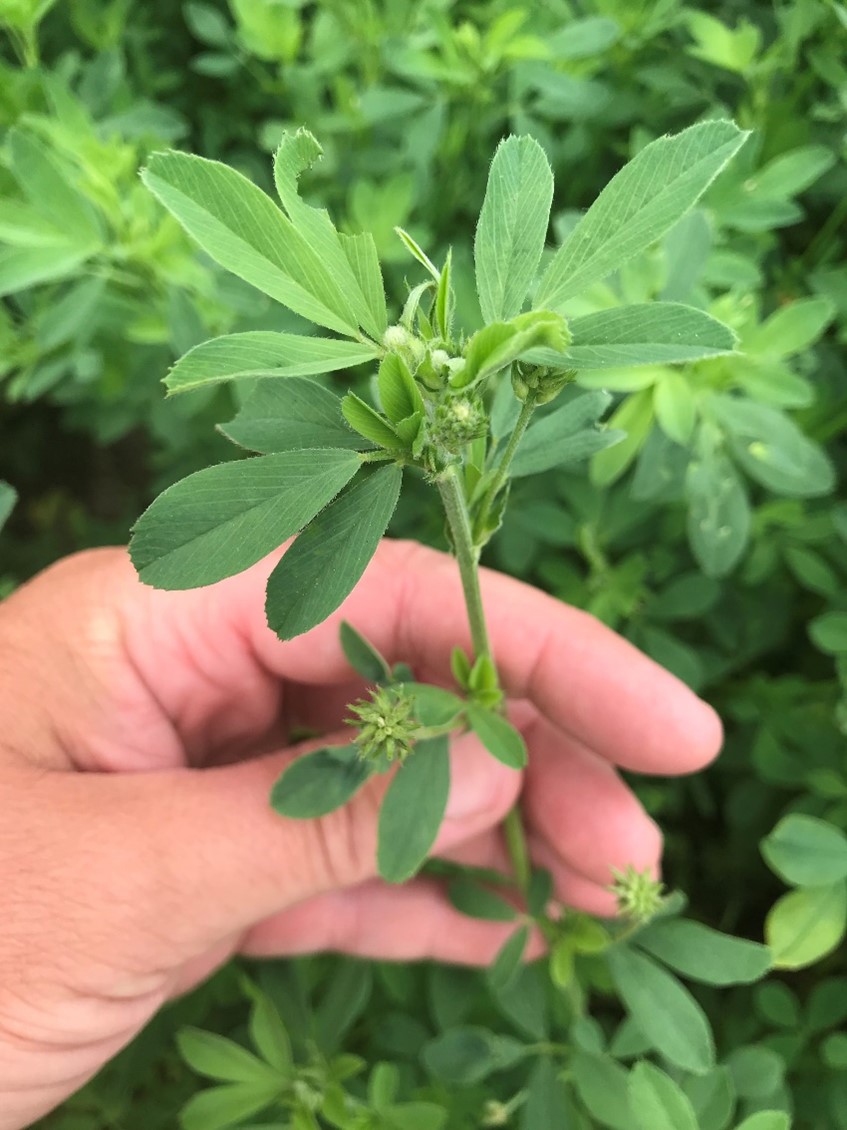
[713, 537]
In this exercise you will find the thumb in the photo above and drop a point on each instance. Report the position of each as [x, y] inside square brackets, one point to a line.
[209, 858]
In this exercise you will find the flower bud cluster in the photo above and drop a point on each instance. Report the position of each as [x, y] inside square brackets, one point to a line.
[639, 895]
[545, 383]
[457, 421]
[397, 339]
[495, 1113]
[387, 726]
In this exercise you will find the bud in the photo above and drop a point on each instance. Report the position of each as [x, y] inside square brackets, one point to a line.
[386, 723]
[495, 1114]
[397, 339]
[458, 420]
[545, 383]
[639, 895]
[307, 1095]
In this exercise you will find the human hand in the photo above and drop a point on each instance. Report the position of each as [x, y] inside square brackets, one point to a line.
[140, 734]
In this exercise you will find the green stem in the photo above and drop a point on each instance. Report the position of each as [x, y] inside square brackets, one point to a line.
[518, 852]
[497, 484]
[377, 456]
[826, 233]
[467, 555]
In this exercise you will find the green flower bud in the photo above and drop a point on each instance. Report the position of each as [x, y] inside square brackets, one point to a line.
[495, 1114]
[387, 726]
[545, 383]
[458, 420]
[639, 895]
[397, 339]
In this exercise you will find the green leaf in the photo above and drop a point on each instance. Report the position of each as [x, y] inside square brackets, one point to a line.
[330, 555]
[805, 851]
[829, 632]
[415, 1116]
[433, 706]
[8, 498]
[242, 229]
[582, 38]
[477, 901]
[291, 415]
[713, 1098]
[221, 1107]
[675, 407]
[601, 1084]
[413, 809]
[565, 435]
[22, 267]
[463, 1057]
[73, 315]
[261, 353]
[363, 656]
[766, 1120]
[319, 782]
[383, 1085]
[663, 1009]
[772, 449]
[499, 736]
[224, 519]
[657, 1102]
[524, 1001]
[512, 226]
[649, 333]
[296, 153]
[219, 1058]
[417, 252]
[368, 422]
[807, 924]
[646, 198]
[792, 172]
[791, 329]
[718, 513]
[500, 343]
[268, 1033]
[757, 1071]
[540, 892]
[508, 961]
[48, 185]
[633, 417]
[544, 1106]
[343, 1002]
[813, 572]
[362, 256]
[779, 1005]
[22, 225]
[399, 395]
[703, 954]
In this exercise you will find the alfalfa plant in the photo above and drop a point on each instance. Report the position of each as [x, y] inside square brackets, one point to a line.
[469, 414]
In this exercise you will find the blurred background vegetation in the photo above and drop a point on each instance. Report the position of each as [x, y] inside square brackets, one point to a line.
[713, 537]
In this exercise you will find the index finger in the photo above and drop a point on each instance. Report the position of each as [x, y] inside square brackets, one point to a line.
[580, 674]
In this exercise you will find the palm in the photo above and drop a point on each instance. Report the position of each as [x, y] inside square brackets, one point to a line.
[155, 723]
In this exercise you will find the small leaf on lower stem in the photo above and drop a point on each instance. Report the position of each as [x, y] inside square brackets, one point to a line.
[319, 782]
[362, 656]
[499, 737]
[508, 960]
[413, 809]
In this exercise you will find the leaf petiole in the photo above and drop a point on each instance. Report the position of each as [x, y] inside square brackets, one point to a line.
[502, 472]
